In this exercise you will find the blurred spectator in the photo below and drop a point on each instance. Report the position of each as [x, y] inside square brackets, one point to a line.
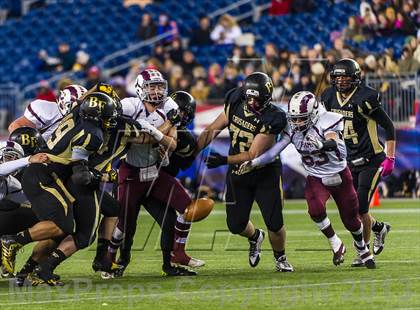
[405, 24]
[189, 63]
[226, 30]
[278, 89]
[250, 57]
[118, 83]
[159, 53]
[353, 31]
[383, 27]
[319, 77]
[230, 76]
[271, 55]
[200, 91]
[217, 89]
[371, 65]
[340, 50]
[146, 28]
[93, 77]
[184, 84]
[305, 83]
[176, 74]
[45, 92]
[140, 3]
[215, 71]
[176, 52]
[82, 61]
[166, 25]
[388, 63]
[130, 78]
[236, 55]
[407, 63]
[199, 72]
[201, 36]
[46, 62]
[66, 56]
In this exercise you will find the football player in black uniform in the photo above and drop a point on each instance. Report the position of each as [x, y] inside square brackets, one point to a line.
[253, 125]
[362, 110]
[79, 134]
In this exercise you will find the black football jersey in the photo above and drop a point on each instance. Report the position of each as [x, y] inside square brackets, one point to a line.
[360, 130]
[182, 158]
[72, 132]
[244, 125]
[115, 143]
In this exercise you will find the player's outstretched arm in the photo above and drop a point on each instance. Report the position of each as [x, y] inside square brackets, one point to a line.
[211, 132]
[259, 145]
[20, 122]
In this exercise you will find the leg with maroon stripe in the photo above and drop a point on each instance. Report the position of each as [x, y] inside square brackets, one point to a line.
[316, 195]
[169, 190]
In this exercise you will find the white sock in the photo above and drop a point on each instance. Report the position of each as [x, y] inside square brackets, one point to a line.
[335, 243]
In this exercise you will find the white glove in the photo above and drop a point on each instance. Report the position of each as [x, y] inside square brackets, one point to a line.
[314, 141]
[246, 167]
[149, 129]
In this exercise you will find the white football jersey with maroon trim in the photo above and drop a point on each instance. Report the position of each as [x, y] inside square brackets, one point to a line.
[319, 163]
[45, 115]
[145, 155]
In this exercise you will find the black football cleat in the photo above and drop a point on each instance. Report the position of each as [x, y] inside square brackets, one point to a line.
[338, 257]
[177, 271]
[123, 261]
[44, 274]
[9, 248]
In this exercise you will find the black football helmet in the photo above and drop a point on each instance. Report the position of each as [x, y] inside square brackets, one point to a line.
[29, 138]
[101, 108]
[258, 86]
[187, 106]
[346, 67]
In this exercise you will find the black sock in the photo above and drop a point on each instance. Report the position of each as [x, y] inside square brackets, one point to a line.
[56, 258]
[102, 247]
[377, 227]
[278, 254]
[166, 257]
[29, 266]
[255, 236]
[24, 237]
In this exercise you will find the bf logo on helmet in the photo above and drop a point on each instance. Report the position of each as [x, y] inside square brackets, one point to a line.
[96, 102]
[28, 140]
[269, 86]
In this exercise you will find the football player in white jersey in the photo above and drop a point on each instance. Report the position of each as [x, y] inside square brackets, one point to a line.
[140, 176]
[317, 136]
[46, 115]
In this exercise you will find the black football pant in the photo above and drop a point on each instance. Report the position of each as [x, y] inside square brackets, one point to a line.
[261, 185]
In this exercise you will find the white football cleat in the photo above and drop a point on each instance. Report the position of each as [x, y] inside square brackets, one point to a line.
[379, 240]
[282, 265]
[255, 248]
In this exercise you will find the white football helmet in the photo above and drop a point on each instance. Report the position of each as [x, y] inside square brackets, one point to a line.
[151, 87]
[67, 98]
[10, 150]
[303, 111]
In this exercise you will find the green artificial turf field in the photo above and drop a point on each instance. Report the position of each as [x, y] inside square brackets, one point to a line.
[227, 281]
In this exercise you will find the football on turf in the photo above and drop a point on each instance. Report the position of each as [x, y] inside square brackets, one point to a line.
[199, 209]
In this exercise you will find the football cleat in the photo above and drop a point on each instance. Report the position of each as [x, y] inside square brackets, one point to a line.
[365, 256]
[338, 256]
[282, 265]
[43, 274]
[113, 272]
[357, 262]
[255, 248]
[177, 271]
[379, 240]
[181, 258]
[4, 274]
[9, 248]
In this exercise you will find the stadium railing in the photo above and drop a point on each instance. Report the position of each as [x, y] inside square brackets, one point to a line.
[400, 96]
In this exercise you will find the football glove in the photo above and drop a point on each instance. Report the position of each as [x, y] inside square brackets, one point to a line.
[174, 117]
[387, 166]
[215, 160]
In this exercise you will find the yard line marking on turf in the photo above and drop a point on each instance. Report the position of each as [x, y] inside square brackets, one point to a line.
[304, 211]
[201, 291]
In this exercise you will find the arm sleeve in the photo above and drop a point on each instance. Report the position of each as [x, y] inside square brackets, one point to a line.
[380, 116]
[271, 154]
[11, 166]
